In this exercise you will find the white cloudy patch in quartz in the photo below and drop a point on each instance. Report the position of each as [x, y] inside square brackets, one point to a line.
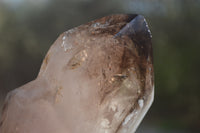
[66, 44]
[128, 118]
[141, 103]
[100, 25]
[105, 123]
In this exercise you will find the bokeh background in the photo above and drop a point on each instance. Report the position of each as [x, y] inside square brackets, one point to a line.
[29, 27]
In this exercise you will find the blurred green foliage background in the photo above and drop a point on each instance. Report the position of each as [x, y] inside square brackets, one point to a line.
[29, 27]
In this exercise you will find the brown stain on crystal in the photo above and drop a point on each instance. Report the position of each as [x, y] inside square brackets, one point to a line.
[74, 63]
[46, 60]
[45, 63]
[58, 94]
[77, 60]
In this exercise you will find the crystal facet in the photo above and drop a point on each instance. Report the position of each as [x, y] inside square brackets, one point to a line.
[96, 78]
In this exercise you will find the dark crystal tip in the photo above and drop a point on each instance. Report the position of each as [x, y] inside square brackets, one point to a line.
[137, 29]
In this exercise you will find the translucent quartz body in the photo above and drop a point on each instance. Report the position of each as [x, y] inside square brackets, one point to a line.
[96, 78]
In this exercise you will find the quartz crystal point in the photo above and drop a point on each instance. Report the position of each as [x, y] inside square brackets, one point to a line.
[96, 78]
